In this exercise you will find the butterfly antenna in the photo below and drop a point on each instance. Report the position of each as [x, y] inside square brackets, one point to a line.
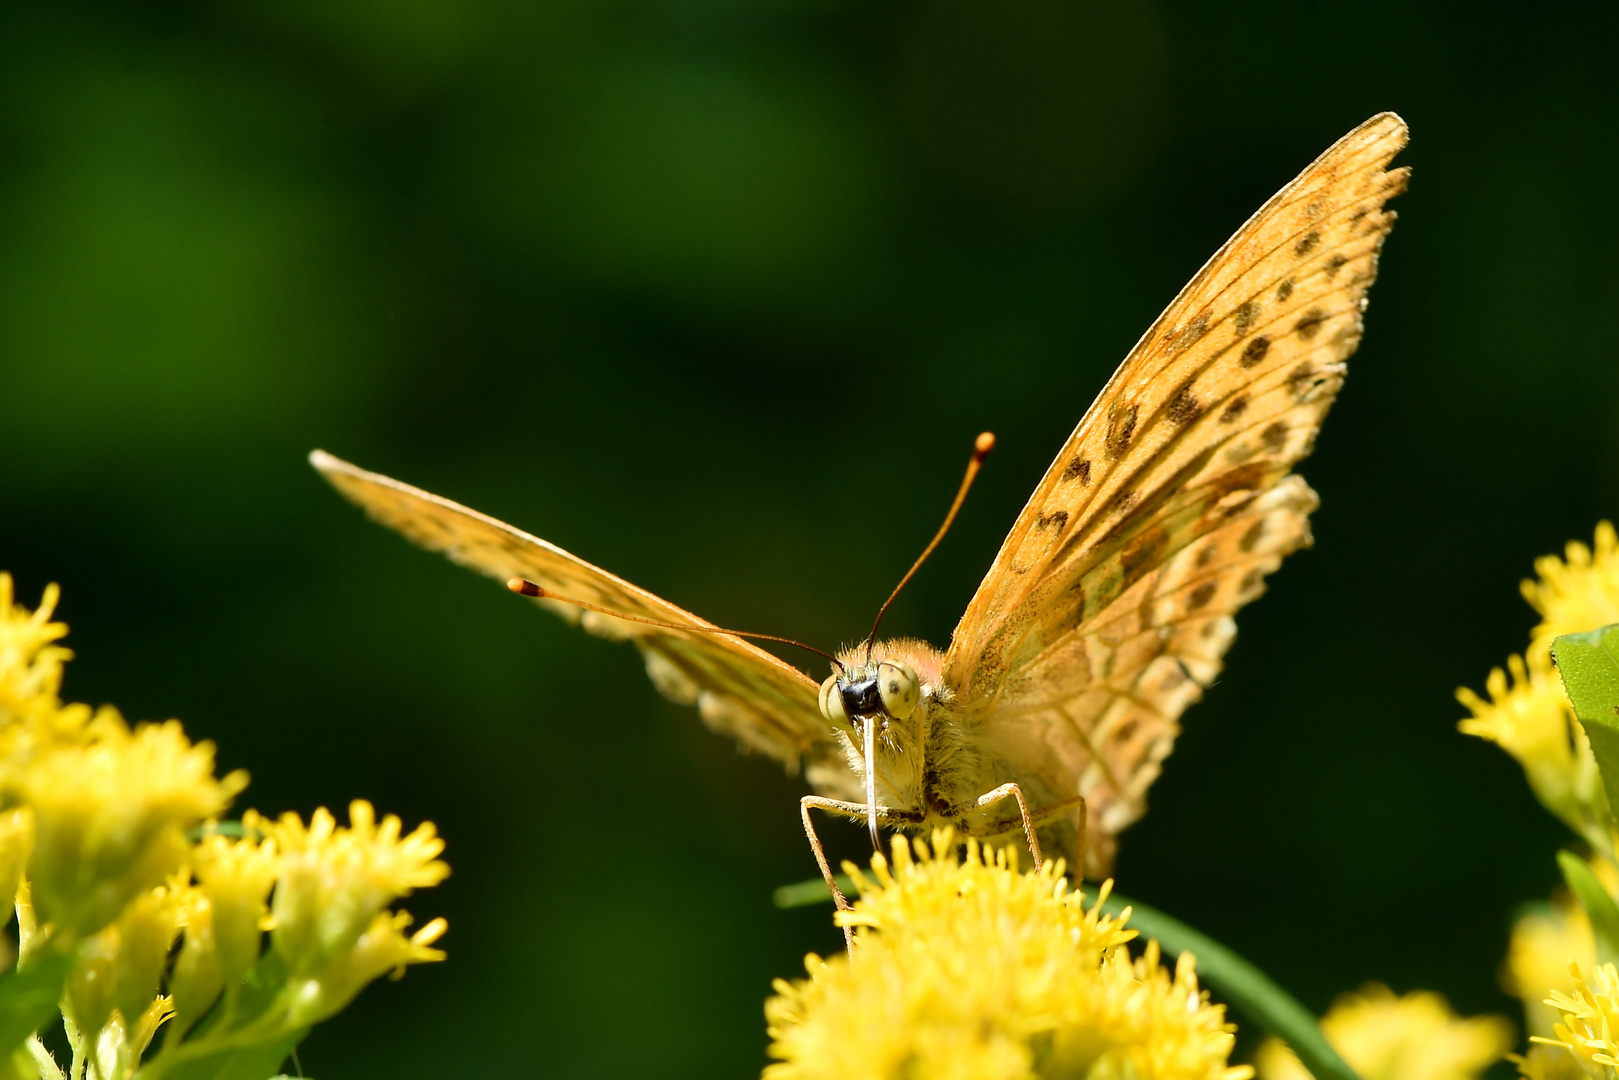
[525, 587]
[981, 448]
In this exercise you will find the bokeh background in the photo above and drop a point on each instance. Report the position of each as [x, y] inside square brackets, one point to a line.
[716, 293]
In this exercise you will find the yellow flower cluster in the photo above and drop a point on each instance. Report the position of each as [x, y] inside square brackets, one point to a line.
[1383, 1036]
[1579, 594]
[1528, 715]
[964, 967]
[1588, 1029]
[1544, 943]
[99, 849]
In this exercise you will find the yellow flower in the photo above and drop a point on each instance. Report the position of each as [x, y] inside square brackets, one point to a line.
[1589, 1029]
[1577, 595]
[963, 967]
[334, 881]
[117, 970]
[196, 981]
[1543, 945]
[1386, 1037]
[236, 877]
[30, 665]
[383, 949]
[1529, 717]
[110, 816]
[328, 918]
[1548, 1063]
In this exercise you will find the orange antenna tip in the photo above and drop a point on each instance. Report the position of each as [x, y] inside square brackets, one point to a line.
[981, 448]
[524, 587]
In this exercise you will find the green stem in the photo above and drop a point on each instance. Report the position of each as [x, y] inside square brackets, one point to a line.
[1248, 989]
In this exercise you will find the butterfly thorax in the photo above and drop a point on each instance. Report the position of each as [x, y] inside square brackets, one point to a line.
[928, 764]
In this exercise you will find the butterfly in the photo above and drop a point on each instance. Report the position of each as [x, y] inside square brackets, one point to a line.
[1110, 605]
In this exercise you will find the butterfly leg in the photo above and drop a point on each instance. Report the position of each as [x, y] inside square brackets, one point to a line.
[845, 809]
[1036, 818]
[1015, 792]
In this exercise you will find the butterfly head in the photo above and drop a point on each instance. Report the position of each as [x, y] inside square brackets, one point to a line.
[884, 689]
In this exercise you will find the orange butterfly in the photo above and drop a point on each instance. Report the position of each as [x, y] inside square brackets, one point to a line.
[1110, 604]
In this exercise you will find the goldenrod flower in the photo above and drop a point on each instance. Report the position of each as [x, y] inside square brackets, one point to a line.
[1589, 1028]
[1577, 595]
[93, 819]
[1383, 1036]
[197, 979]
[16, 844]
[963, 967]
[1529, 716]
[383, 949]
[334, 881]
[1547, 1063]
[117, 970]
[1543, 945]
[236, 876]
[111, 814]
[328, 919]
[30, 664]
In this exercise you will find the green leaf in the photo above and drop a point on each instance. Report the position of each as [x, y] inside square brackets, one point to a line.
[1244, 986]
[1598, 903]
[1589, 665]
[246, 1061]
[813, 891]
[29, 996]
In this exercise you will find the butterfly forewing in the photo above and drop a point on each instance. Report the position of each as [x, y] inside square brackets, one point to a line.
[742, 691]
[1109, 605]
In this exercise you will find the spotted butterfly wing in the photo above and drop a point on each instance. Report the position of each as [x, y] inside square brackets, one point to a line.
[1110, 604]
[740, 690]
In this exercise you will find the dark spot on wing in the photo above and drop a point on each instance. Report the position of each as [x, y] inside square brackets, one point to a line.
[1307, 243]
[1179, 340]
[1250, 539]
[1237, 406]
[1056, 520]
[1285, 289]
[1310, 324]
[1184, 407]
[1355, 218]
[1207, 554]
[1126, 729]
[1274, 437]
[1255, 351]
[1247, 313]
[1300, 379]
[1144, 551]
[1251, 580]
[1245, 477]
[1078, 469]
[1201, 595]
[1121, 425]
[1335, 264]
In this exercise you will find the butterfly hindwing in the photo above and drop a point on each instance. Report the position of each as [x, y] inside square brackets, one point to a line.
[742, 691]
[1097, 624]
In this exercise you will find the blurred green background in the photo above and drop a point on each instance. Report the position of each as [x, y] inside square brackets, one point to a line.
[682, 286]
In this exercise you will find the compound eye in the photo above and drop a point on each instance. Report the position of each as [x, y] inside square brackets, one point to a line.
[832, 701]
[897, 685]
